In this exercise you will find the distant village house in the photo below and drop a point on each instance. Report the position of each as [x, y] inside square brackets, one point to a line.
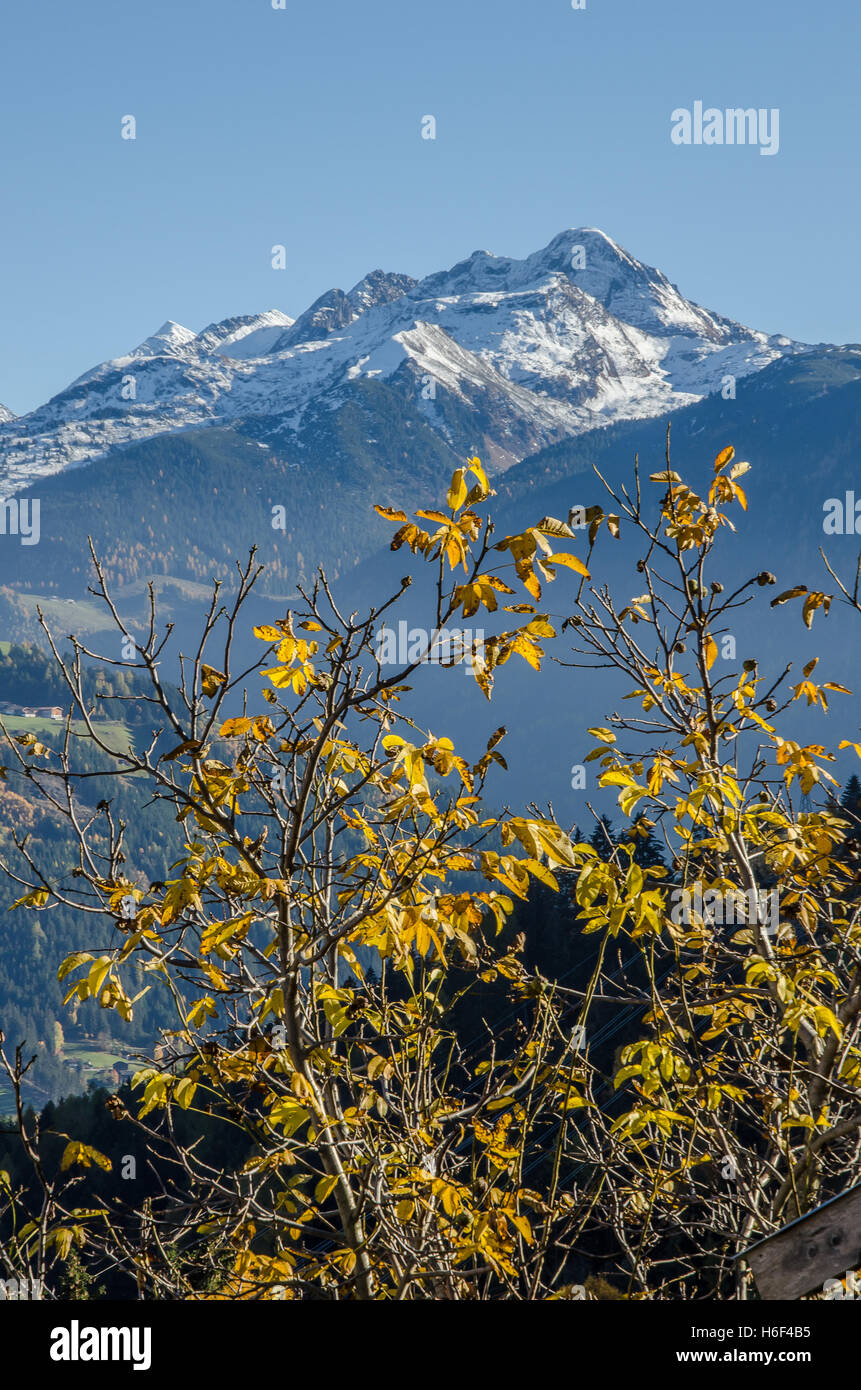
[31, 711]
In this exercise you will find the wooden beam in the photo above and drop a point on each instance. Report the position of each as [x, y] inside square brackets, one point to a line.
[822, 1245]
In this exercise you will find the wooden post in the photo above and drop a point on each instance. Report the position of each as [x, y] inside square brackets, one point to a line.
[824, 1244]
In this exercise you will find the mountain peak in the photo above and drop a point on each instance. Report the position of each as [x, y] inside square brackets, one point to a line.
[379, 287]
[629, 289]
[171, 338]
[335, 310]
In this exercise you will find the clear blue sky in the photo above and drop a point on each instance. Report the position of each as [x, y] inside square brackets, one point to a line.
[301, 126]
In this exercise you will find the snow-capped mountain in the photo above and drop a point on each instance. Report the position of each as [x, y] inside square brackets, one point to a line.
[527, 352]
[6, 414]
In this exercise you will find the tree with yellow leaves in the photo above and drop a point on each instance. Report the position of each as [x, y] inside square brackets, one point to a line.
[342, 887]
[313, 944]
[737, 1108]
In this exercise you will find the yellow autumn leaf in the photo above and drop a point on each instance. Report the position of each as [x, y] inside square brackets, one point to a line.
[324, 1188]
[476, 468]
[232, 728]
[724, 457]
[184, 1092]
[570, 562]
[82, 1156]
[456, 495]
[210, 680]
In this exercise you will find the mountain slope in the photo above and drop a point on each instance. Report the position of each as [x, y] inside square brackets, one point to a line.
[189, 505]
[504, 355]
[798, 423]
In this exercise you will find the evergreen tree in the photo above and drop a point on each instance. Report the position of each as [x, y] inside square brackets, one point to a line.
[851, 798]
[602, 839]
[648, 851]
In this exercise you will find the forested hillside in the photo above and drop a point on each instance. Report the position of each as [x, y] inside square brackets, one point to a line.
[73, 1044]
[189, 504]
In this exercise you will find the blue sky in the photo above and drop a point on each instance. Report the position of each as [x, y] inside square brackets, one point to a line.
[301, 126]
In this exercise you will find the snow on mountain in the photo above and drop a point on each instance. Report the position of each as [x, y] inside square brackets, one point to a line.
[249, 335]
[335, 309]
[171, 338]
[635, 293]
[379, 288]
[528, 352]
[6, 414]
